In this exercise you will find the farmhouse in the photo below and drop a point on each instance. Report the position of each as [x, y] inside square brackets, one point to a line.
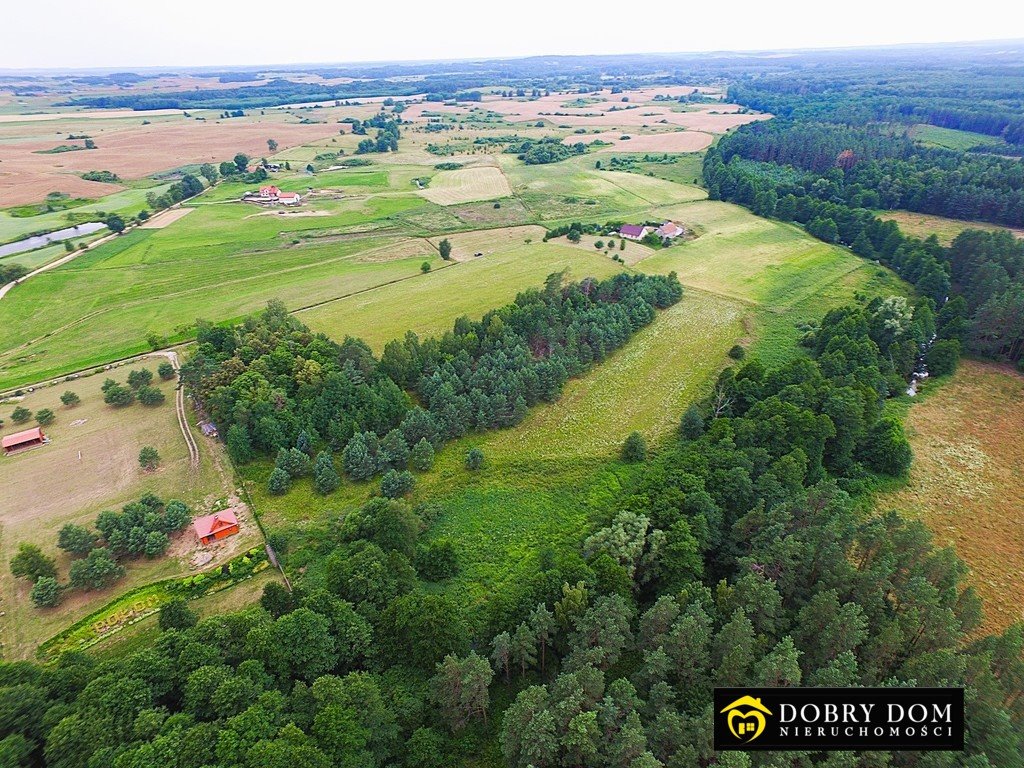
[217, 526]
[289, 198]
[632, 231]
[670, 230]
[20, 441]
[270, 193]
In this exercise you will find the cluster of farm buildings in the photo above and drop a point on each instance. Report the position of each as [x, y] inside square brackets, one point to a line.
[272, 195]
[667, 231]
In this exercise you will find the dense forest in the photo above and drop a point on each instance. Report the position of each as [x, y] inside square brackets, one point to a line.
[831, 178]
[271, 381]
[740, 553]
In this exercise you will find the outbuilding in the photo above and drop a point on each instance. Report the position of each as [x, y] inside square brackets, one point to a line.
[21, 441]
[289, 198]
[670, 230]
[216, 526]
[632, 231]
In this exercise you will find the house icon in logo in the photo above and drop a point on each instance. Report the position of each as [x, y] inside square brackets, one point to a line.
[746, 718]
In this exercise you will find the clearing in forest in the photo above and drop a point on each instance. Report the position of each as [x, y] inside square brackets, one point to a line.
[968, 441]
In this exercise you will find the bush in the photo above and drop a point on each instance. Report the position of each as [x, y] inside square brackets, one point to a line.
[47, 592]
[294, 462]
[737, 352]
[422, 456]
[691, 426]
[70, 399]
[141, 377]
[280, 482]
[635, 448]
[176, 614]
[44, 416]
[150, 396]
[425, 267]
[941, 358]
[445, 249]
[76, 539]
[30, 563]
[437, 560]
[149, 459]
[119, 396]
[325, 476]
[396, 484]
[156, 543]
[165, 370]
[474, 459]
[20, 415]
[96, 571]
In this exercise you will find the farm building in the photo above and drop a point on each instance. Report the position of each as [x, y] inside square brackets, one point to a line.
[216, 526]
[632, 231]
[669, 229]
[20, 441]
[289, 198]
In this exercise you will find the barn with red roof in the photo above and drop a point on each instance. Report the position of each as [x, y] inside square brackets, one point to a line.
[19, 441]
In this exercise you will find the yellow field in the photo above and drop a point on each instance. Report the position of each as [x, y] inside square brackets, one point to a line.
[465, 245]
[922, 225]
[968, 441]
[467, 185]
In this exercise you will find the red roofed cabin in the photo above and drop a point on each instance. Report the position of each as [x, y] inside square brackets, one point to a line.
[217, 526]
[269, 193]
[21, 440]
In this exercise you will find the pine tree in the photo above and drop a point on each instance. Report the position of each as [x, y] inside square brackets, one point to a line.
[325, 476]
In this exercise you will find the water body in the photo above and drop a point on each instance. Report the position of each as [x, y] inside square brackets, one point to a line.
[31, 243]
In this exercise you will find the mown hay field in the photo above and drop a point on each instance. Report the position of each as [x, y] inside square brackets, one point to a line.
[466, 185]
[968, 441]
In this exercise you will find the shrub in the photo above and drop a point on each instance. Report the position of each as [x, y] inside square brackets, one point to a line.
[140, 377]
[279, 483]
[149, 459]
[422, 456]
[47, 592]
[156, 544]
[635, 448]
[119, 396]
[325, 476]
[20, 415]
[941, 358]
[96, 571]
[30, 563]
[165, 370]
[737, 352]
[396, 484]
[150, 396]
[176, 614]
[437, 560]
[445, 249]
[70, 399]
[294, 462]
[76, 539]
[474, 459]
[44, 416]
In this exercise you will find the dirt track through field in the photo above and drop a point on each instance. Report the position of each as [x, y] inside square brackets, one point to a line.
[179, 407]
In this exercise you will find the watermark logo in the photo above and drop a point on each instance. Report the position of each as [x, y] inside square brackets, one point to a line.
[839, 718]
[746, 718]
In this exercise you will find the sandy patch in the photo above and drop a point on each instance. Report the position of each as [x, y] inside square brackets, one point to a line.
[166, 218]
[677, 141]
[467, 185]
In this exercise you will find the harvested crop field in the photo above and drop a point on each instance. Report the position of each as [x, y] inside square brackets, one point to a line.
[166, 218]
[136, 151]
[677, 141]
[465, 245]
[923, 225]
[968, 441]
[467, 185]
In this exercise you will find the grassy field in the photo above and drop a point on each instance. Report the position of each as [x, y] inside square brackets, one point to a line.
[968, 441]
[430, 303]
[950, 138]
[91, 464]
[467, 185]
[923, 225]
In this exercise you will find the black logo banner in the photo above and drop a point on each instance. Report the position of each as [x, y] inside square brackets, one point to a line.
[839, 718]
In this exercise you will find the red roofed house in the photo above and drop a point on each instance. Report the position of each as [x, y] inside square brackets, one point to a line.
[22, 440]
[632, 231]
[289, 198]
[216, 526]
[269, 193]
[669, 229]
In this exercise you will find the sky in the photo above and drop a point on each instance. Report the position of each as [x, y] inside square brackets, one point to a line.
[61, 34]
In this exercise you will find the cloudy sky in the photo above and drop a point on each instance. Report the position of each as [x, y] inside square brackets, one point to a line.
[127, 33]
